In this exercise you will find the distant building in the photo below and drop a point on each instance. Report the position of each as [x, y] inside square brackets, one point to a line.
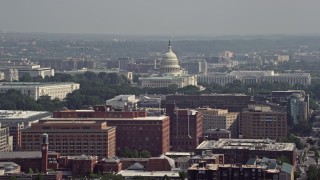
[219, 119]
[67, 64]
[256, 77]
[72, 137]
[10, 74]
[232, 102]
[122, 102]
[23, 67]
[170, 74]
[260, 122]
[297, 102]
[216, 78]
[185, 128]
[37, 89]
[240, 150]
[195, 66]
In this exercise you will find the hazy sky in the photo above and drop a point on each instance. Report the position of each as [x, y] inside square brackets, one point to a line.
[166, 17]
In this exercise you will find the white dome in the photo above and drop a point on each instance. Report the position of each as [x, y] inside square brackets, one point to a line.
[169, 65]
[170, 55]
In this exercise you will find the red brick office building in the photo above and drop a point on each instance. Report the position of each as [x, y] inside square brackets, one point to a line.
[185, 128]
[72, 137]
[135, 130]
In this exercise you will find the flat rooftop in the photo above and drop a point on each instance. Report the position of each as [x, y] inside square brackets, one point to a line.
[250, 144]
[20, 155]
[132, 173]
[149, 118]
[15, 114]
[33, 84]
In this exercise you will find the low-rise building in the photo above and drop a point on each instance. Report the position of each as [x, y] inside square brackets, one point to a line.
[37, 89]
[240, 150]
[256, 77]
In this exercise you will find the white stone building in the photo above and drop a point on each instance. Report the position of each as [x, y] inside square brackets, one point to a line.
[170, 74]
[256, 77]
[36, 89]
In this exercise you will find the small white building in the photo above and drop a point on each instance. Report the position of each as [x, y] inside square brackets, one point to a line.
[122, 101]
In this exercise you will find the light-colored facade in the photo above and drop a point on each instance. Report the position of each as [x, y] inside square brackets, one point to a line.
[9, 74]
[216, 78]
[256, 77]
[31, 69]
[43, 72]
[122, 101]
[260, 122]
[5, 139]
[219, 119]
[195, 66]
[170, 74]
[36, 89]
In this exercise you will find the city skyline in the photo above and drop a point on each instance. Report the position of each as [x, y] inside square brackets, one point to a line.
[142, 17]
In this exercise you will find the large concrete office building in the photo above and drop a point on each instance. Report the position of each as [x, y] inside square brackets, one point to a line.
[72, 137]
[232, 102]
[220, 119]
[260, 122]
[256, 77]
[37, 89]
[240, 150]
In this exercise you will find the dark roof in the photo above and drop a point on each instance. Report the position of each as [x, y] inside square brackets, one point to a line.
[287, 168]
[252, 161]
[20, 154]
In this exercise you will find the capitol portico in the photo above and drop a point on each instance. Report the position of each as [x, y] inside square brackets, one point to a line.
[170, 73]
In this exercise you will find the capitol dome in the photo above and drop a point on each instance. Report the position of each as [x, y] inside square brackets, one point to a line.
[170, 55]
[170, 64]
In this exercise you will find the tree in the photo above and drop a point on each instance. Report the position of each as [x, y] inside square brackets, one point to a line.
[297, 173]
[26, 78]
[283, 159]
[145, 154]
[313, 172]
[30, 171]
[182, 175]
[111, 176]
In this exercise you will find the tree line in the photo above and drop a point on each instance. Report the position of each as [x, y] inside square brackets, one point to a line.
[96, 88]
